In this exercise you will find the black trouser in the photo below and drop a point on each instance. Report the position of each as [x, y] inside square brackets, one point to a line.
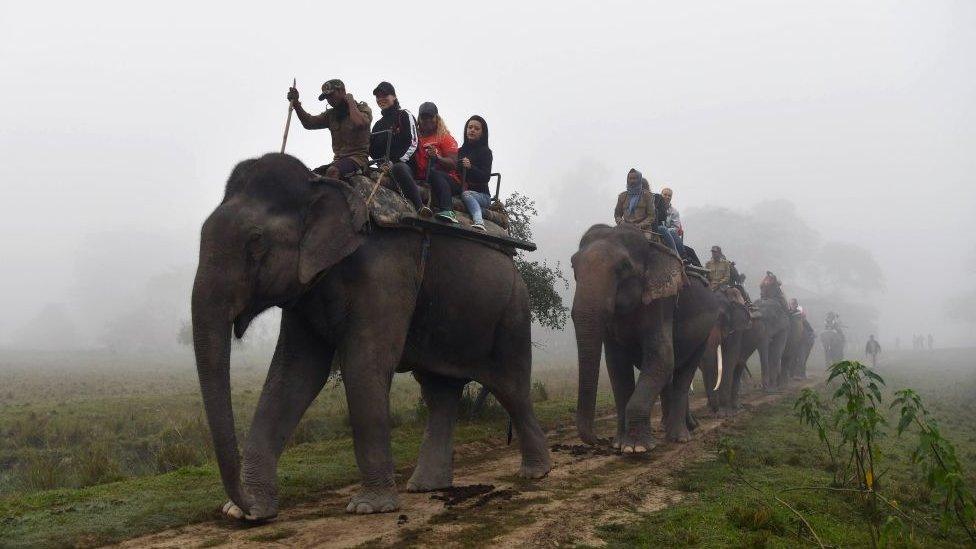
[403, 176]
[441, 190]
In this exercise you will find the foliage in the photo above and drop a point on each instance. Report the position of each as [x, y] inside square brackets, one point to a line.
[810, 409]
[545, 303]
[937, 455]
[859, 420]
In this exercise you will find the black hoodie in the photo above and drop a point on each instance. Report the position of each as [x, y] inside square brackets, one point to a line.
[479, 173]
[404, 134]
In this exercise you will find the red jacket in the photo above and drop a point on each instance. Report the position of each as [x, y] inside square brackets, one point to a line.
[445, 145]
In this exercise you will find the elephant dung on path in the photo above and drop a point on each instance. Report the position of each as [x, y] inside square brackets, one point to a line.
[625, 306]
[378, 301]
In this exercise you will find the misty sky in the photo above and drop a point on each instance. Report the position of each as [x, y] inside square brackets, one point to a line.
[119, 122]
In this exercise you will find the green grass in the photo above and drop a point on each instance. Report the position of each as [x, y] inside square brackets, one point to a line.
[104, 451]
[777, 455]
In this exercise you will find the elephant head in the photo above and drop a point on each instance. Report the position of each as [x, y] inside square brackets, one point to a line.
[616, 271]
[273, 233]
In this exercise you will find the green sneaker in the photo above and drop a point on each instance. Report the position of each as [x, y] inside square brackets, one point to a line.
[447, 215]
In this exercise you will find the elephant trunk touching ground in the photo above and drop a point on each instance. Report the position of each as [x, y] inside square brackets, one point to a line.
[592, 307]
[211, 344]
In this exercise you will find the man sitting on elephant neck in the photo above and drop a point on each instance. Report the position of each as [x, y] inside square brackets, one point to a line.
[719, 270]
[347, 121]
[635, 206]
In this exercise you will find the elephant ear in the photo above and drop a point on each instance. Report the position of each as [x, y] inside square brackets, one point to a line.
[664, 274]
[335, 227]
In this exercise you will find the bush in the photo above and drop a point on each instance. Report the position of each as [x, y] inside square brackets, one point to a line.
[95, 465]
[42, 471]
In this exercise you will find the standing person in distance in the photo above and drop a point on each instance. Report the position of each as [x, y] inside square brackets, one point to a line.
[475, 160]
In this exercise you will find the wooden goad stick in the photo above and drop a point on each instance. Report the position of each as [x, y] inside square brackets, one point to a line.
[284, 138]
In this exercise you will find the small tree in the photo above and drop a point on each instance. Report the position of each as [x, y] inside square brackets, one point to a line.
[545, 303]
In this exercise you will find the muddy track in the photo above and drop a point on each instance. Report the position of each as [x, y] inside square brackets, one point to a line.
[588, 486]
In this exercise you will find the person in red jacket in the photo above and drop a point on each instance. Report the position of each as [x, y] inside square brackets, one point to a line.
[438, 153]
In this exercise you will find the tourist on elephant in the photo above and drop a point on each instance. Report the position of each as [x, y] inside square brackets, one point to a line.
[475, 158]
[399, 145]
[347, 121]
[438, 154]
[795, 307]
[635, 206]
[719, 270]
[672, 221]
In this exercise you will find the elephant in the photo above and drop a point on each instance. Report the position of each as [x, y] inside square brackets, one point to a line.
[833, 342]
[774, 315]
[375, 301]
[625, 305]
[809, 338]
[794, 348]
[738, 341]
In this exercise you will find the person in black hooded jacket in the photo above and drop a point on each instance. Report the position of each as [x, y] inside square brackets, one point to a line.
[402, 141]
[474, 162]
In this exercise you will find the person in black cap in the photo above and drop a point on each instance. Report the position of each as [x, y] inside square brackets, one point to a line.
[439, 152]
[347, 121]
[394, 139]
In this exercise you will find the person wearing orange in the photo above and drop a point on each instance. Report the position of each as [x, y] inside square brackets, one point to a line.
[438, 153]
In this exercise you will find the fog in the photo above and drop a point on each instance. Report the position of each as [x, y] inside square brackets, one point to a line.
[814, 140]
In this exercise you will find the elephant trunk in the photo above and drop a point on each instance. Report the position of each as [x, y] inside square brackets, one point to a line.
[211, 345]
[592, 307]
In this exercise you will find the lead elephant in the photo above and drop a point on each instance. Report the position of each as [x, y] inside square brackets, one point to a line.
[625, 305]
[375, 300]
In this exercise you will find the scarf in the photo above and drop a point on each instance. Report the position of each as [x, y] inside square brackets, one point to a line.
[633, 192]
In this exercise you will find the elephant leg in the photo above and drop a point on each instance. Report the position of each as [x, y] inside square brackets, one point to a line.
[435, 464]
[368, 357]
[777, 348]
[299, 369]
[657, 367]
[677, 405]
[734, 399]
[620, 369]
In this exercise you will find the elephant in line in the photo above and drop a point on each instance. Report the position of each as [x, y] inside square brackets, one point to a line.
[377, 301]
[798, 347]
[833, 342]
[774, 315]
[625, 306]
[739, 339]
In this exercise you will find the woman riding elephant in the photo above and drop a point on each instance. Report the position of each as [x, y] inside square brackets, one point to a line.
[625, 303]
[375, 302]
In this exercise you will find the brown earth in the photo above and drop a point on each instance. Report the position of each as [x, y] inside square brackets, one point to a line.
[489, 505]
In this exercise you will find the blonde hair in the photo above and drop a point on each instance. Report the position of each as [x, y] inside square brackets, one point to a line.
[441, 126]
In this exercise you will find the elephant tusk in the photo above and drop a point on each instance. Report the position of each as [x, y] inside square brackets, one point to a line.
[718, 353]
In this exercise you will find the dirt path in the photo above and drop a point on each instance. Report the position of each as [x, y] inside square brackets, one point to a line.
[586, 488]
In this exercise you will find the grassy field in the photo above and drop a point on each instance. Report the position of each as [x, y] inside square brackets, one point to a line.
[97, 448]
[776, 456]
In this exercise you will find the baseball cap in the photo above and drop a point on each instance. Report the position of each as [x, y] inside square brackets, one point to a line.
[384, 88]
[427, 109]
[331, 86]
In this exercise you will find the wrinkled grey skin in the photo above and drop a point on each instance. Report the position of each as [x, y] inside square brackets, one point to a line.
[833, 344]
[279, 239]
[798, 348]
[612, 314]
[775, 318]
[738, 343]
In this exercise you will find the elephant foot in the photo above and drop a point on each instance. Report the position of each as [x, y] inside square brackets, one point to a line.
[680, 435]
[374, 500]
[258, 513]
[422, 481]
[639, 442]
[535, 470]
